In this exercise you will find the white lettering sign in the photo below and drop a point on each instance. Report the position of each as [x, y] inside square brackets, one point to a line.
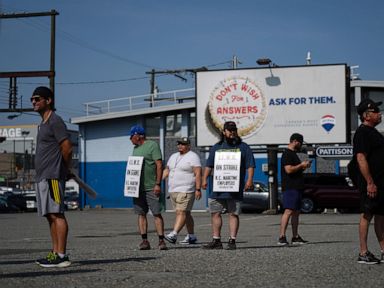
[10, 132]
[132, 176]
[226, 173]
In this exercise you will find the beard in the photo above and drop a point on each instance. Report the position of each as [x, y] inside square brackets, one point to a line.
[233, 140]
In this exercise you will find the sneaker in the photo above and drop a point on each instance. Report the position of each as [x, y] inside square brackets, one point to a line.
[144, 245]
[54, 260]
[162, 245]
[38, 261]
[171, 238]
[368, 258]
[282, 241]
[298, 240]
[215, 244]
[187, 240]
[231, 244]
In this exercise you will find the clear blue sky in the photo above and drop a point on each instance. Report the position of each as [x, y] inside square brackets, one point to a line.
[113, 43]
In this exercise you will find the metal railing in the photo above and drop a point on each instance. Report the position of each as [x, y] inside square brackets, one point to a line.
[146, 101]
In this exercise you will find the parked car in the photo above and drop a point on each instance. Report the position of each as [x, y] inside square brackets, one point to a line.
[71, 201]
[329, 191]
[258, 199]
[7, 206]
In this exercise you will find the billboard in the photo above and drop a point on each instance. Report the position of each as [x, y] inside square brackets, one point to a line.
[269, 104]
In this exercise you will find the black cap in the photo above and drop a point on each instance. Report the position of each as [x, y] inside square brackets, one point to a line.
[298, 137]
[368, 104]
[184, 140]
[44, 92]
[230, 125]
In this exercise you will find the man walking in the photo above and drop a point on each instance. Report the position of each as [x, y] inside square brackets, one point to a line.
[150, 186]
[229, 147]
[293, 184]
[368, 148]
[52, 162]
[184, 181]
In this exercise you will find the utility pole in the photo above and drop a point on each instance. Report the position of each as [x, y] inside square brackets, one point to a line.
[14, 75]
[235, 62]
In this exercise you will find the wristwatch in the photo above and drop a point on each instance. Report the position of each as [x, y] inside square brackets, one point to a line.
[198, 190]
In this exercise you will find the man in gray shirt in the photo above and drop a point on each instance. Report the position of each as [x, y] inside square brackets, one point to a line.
[52, 162]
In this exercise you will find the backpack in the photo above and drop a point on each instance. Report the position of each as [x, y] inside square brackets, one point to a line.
[353, 170]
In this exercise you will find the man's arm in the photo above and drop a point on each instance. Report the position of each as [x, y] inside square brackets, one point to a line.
[159, 174]
[249, 183]
[207, 171]
[197, 172]
[289, 169]
[66, 151]
[364, 169]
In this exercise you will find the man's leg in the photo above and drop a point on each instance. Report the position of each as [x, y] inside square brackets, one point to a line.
[234, 223]
[59, 232]
[379, 230]
[142, 224]
[181, 217]
[365, 219]
[217, 222]
[295, 223]
[189, 222]
[159, 224]
[284, 221]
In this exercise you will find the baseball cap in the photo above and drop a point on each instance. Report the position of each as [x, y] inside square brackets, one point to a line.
[137, 130]
[368, 104]
[43, 91]
[230, 125]
[298, 137]
[183, 140]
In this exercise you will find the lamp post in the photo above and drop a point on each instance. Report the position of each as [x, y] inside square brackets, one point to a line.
[24, 134]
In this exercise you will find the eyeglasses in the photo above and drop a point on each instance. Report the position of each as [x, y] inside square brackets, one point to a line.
[36, 98]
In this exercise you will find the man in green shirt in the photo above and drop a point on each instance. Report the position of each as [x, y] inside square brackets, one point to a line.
[150, 189]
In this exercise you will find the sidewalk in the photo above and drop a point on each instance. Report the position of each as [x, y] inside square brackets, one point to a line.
[103, 250]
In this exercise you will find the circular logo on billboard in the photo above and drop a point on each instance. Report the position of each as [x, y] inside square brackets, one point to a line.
[240, 100]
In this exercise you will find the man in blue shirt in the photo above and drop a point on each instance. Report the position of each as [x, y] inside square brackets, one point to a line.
[229, 201]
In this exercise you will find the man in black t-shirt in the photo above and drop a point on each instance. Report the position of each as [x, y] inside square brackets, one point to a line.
[293, 184]
[368, 147]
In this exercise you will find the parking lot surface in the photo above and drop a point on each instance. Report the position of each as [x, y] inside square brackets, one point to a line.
[103, 244]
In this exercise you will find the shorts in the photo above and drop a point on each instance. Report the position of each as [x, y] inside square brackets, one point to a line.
[292, 199]
[50, 196]
[373, 206]
[182, 201]
[230, 205]
[147, 200]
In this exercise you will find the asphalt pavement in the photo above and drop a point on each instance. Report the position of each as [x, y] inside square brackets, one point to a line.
[102, 245]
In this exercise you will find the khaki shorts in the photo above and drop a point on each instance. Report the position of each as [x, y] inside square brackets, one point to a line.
[182, 201]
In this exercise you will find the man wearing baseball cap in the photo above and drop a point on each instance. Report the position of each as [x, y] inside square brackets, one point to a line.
[368, 148]
[150, 186]
[52, 161]
[293, 184]
[229, 201]
[183, 171]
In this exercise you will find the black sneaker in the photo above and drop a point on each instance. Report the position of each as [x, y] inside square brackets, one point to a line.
[282, 241]
[38, 261]
[298, 240]
[215, 244]
[231, 244]
[55, 261]
[368, 258]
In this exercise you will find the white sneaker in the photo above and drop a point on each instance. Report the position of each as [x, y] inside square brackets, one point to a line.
[171, 238]
[187, 240]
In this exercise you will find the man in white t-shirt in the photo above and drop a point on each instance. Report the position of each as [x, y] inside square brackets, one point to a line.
[183, 171]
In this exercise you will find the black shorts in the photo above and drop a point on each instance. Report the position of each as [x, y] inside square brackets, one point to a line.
[374, 206]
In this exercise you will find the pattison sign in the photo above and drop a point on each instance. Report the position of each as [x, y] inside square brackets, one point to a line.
[334, 151]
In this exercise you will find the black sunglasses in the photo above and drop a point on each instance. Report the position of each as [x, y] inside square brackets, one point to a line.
[36, 98]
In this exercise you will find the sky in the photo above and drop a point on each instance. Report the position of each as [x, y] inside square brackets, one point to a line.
[104, 48]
